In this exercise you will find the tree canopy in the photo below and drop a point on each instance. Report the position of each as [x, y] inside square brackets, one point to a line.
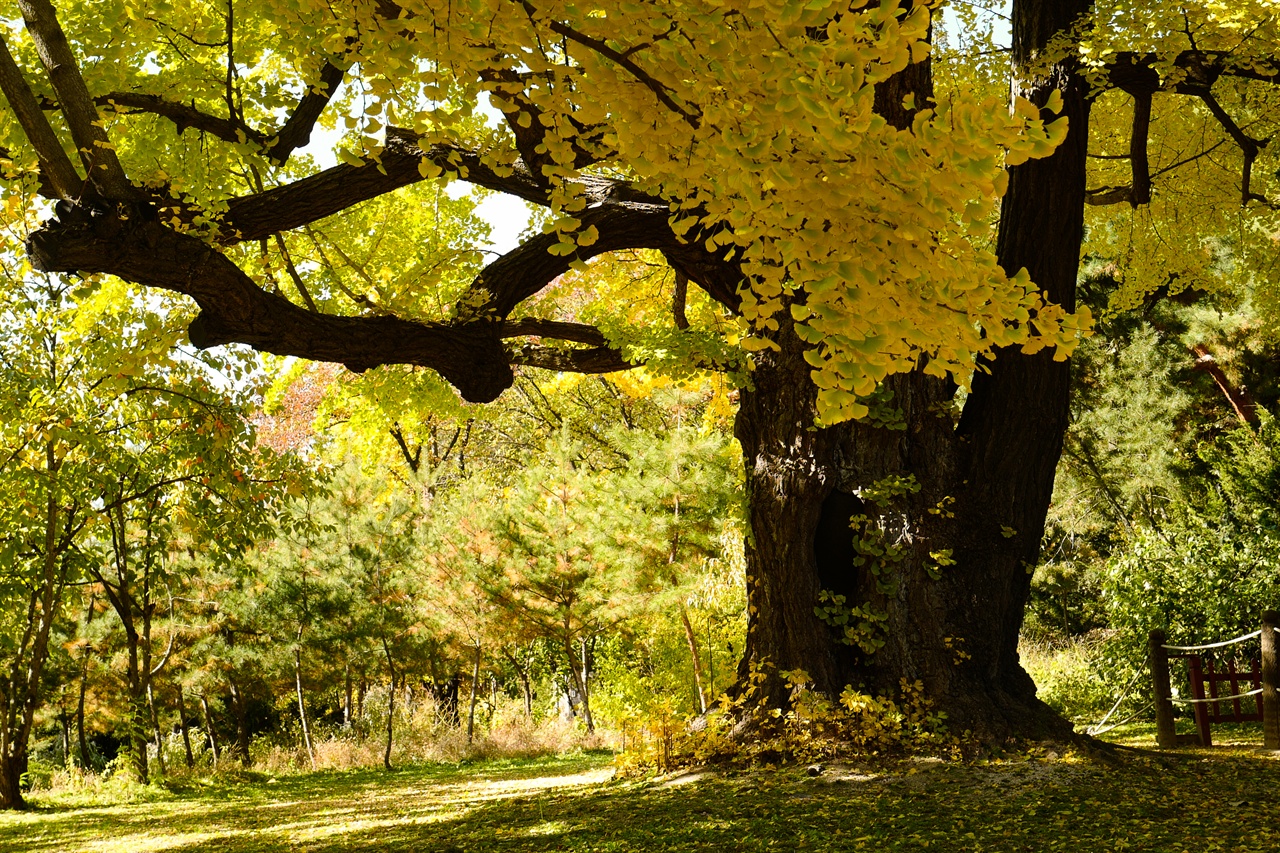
[883, 244]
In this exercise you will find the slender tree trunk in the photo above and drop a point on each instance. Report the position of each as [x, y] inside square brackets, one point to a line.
[391, 717]
[576, 658]
[64, 724]
[20, 690]
[155, 727]
[475, 691]
[526, 687]
[240, 709]
[346, 702]
[391, 703]
[209, 731]
[186, 730]
[81, 739]
[302, 707]
[138, 715]
[692, 640]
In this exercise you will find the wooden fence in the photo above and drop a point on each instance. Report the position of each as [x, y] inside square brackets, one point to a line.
[1219, 693]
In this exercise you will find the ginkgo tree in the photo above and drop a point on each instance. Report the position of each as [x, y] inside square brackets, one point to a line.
[899, 260]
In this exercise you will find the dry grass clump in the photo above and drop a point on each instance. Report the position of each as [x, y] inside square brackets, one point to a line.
[422, 733]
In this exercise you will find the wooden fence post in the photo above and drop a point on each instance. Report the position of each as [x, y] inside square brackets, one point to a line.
[1158, 656]
[1270, 677]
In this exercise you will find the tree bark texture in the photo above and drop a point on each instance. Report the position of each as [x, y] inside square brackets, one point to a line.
[945, 560]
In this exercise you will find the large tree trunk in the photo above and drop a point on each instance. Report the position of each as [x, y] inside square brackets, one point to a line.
[945, 560]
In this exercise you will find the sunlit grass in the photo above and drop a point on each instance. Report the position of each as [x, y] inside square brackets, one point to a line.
[1204, 800]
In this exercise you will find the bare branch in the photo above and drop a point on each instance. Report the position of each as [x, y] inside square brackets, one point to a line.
[55, 166]
[293, 273]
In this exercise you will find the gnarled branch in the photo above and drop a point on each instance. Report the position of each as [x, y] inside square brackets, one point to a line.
[123, 241]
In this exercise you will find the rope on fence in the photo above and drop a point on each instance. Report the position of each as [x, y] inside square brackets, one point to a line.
[1257, 633]
[1095, 730]
[1206, 701]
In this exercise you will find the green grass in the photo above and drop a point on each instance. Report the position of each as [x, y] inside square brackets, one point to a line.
[1195, 800]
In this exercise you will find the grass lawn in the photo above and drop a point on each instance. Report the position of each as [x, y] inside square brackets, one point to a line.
[1222, 799]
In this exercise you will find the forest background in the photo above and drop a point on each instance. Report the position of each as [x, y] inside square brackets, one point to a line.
[231, 557]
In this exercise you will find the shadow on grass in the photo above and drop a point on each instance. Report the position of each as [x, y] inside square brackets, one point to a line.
[1196, 801]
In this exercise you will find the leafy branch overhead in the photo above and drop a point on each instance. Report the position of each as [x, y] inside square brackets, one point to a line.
[749, 169]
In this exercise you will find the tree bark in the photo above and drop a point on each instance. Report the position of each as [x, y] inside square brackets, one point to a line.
[13, 764]
[155, 727]
[946, 561]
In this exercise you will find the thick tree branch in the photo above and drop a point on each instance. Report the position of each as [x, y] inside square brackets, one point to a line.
[124, 242]
[296, 131]
[524, 271]
[1138, 148]
[1199, 69]
[55, 166]
[1249, 147]
[678, 299]
[104, 169]
[326, 193]
[182, 116]
[577, 332]
[293, 134]
[1242, 402]
[593, 360]
[510, 85]
[1103, 196]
